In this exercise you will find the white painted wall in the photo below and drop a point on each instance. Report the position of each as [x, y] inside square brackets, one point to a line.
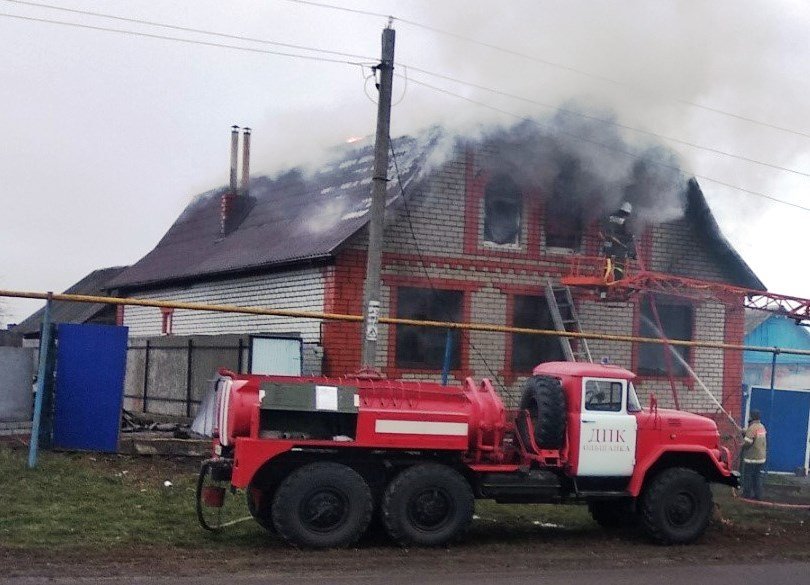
[301, 289]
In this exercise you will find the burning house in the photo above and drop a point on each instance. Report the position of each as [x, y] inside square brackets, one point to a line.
[475, 231]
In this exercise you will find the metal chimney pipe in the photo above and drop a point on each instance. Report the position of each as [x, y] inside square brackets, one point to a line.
[246, 161]
[234, 155]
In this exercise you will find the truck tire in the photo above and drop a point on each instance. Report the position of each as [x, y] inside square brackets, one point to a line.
[322, 505]
[613, 514]
[676, 506]
[427, 505]
[259, 506]
[544, 398]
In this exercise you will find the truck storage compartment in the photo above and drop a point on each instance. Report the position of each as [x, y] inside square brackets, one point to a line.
[308, 411]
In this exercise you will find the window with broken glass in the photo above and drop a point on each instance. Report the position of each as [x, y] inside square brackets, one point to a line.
[424, 347]
[676, 322]
[529, 350]
[503, 205]
[563, 226]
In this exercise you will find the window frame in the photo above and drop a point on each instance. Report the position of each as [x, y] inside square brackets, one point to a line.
[432, 293]
[513, 337]
[393, 283]
[678, 371]
[514, 198]
[622, 410]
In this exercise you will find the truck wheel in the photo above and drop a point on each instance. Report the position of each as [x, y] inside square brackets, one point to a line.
[612, 514]
[427, 505]
[544, 398]
[322, 505]
[676, 506]
[258, 504]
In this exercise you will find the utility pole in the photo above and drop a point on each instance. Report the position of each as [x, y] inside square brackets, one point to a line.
[371, 298]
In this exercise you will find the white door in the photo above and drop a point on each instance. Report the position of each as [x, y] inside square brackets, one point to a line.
[278, 356]
[607, 439]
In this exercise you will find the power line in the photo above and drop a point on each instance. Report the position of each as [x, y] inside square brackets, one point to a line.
[193, 30]
[343, 9]
[602, 145]
[608, 122]
[554, 64]
[464, 333]
[435, 88]
[420, 70]
[180, 40]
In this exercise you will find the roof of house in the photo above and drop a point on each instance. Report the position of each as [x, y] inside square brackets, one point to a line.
[289, 218]
[297, 217]
[699, 213]
[754, 319]
[774, 330]
[94, 283]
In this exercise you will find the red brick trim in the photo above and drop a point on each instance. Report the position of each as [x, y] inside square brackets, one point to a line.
[396, 280]
[734, 333]
[557, 267]
[343, 293]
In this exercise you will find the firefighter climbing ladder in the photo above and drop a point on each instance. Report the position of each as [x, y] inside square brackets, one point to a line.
[564, 315]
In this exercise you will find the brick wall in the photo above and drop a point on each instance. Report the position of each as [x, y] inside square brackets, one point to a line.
[442, 245]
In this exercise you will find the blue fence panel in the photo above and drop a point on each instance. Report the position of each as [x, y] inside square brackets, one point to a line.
[786, 424]
[90, 367]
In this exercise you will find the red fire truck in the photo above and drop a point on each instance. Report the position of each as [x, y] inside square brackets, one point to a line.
[322, 458]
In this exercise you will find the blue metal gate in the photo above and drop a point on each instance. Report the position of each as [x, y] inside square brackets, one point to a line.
[90, 367]
[786, 415]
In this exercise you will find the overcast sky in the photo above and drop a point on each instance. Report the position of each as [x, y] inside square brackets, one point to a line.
[107, 136]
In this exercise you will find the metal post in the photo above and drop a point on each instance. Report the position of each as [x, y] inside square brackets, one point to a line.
[189, 353]
[770, 408]
[239, 358]
[42, 369]
[448, 351]
[246, 161]
[371, 299]
[234, 157]
[145, 377]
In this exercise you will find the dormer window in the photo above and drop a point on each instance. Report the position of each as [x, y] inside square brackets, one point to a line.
[503, 205]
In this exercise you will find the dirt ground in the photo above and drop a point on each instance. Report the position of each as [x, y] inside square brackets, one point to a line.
[740, 532]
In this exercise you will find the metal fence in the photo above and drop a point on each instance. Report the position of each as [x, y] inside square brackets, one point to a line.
[170, 375]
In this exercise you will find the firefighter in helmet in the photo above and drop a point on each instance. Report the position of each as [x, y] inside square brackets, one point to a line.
[618, 243]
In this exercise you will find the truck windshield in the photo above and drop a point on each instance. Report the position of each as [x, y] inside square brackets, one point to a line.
[633, 405]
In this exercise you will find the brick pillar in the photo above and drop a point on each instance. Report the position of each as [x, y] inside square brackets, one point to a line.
[343, 294]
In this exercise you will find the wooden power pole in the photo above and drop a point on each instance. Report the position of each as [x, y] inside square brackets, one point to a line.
[371, 298]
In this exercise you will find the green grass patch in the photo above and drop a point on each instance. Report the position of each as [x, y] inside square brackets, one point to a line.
[100, 501]
[108, 502]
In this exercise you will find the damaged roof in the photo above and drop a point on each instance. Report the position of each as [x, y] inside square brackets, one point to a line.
[94, 284]
[297, 217]
[698, 212]
[290, 218]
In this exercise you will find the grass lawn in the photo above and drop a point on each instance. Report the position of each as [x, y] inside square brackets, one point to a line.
[94, 509]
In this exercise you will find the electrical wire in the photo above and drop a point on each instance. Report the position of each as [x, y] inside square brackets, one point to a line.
[465, 334]
[602, 145]
[189, 29]
[417, 69]
[556, 65]
[180, 39]
[608, 122]
[435, 88]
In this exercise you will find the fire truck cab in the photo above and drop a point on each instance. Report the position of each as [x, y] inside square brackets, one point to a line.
[322, 458]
